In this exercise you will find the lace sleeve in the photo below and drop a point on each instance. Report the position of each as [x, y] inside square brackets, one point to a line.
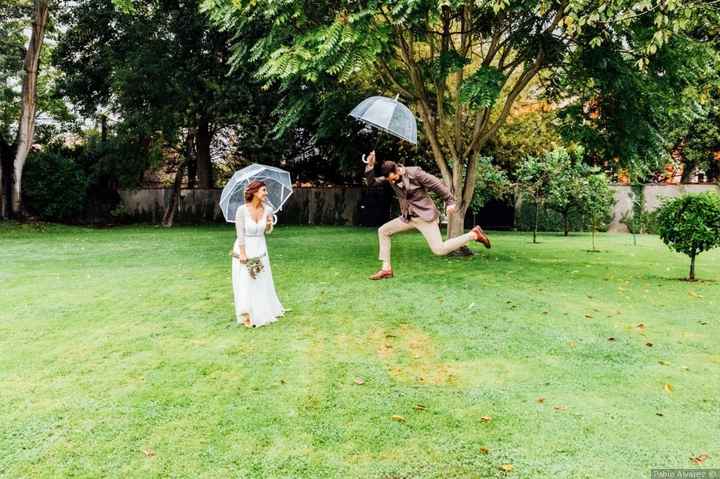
[240, 226]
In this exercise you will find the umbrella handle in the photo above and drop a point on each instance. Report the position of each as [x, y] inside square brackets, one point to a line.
[364, 160]
[275, 220]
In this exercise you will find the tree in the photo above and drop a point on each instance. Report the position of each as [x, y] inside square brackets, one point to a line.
[11, 187]
[534, 177]
[690, 225]
[565, 192]
[492, 184]
[598, 199]
[26, 126]
[460, 64]
[632, 118]
[164, 72]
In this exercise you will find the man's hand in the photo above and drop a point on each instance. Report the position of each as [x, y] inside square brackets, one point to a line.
[451, 209]
[371, 159]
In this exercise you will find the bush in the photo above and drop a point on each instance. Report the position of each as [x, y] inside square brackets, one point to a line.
[690, 225]
[54, 186]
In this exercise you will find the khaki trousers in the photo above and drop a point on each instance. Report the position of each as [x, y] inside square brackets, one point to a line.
[430, 230]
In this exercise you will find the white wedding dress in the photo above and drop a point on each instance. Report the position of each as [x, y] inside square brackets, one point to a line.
[254, 297]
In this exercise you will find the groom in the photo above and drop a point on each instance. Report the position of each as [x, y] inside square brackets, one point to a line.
[418, 211]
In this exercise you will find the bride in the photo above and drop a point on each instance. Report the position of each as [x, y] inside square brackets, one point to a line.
[256, 302]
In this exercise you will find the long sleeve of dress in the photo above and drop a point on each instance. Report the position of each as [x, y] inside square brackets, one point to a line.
[269, 212]
[240, 226]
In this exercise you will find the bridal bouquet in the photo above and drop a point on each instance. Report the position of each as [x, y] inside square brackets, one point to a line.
[254, 265]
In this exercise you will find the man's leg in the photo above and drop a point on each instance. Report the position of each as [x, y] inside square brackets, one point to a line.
[384, 234]
[431, 232]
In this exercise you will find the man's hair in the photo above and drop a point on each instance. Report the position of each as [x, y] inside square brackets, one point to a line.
[388, 167]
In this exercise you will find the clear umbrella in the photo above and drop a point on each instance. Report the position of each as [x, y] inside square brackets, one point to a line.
[388, 115]
[277, 181]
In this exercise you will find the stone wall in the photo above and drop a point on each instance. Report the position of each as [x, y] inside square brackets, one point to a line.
[307, 206]
[653, 196]
[356, 206]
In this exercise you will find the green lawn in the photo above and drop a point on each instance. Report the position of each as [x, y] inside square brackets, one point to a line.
[119, 358]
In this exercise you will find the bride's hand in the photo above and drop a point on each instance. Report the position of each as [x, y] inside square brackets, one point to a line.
[242, 257]
[269, 222]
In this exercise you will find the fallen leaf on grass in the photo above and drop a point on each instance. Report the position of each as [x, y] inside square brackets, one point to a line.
[668, 388]
[641, 326]
[541, 400]
[699, 459]
[359, 381]
[560, 408]
[572, 344]
[695, 295]
[420, 407]
[611, 338]
[703, 323]
[486, 418]
[506, 467]
[588, 316]
[149, 453]
[484, 450]
[649, 344]
[664, 363]
[397, 418]
[659, 414]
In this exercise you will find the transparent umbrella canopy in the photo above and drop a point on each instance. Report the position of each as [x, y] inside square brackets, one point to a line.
[277, 181]
[388, 115]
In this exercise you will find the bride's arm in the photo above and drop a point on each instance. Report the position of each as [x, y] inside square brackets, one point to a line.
[240, 233]
[268, 221]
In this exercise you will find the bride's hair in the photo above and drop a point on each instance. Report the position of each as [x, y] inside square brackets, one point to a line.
[251, 189]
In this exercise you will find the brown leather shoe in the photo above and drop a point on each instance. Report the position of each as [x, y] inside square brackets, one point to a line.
[481, 236]
[382, 274]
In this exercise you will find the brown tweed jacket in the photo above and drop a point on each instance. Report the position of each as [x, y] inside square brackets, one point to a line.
[413, 194]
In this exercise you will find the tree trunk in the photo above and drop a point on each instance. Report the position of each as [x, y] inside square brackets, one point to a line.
[456, 227]
[537, 215]
[691, 277]
[566, 223]
[169, 216]
[103, 128]
[192, 172]
[26, 127]
[204, 165]
[6, 175]
[593, 238]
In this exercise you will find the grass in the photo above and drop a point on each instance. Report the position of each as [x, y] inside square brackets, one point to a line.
[119, 358]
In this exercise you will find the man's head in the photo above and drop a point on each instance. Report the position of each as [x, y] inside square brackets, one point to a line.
[391, 171]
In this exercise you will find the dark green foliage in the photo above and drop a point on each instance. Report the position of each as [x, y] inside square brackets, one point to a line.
[492, 183]
[55, 186]
[628, 117]
[548, 219]
[482, 88]
[690, 225]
